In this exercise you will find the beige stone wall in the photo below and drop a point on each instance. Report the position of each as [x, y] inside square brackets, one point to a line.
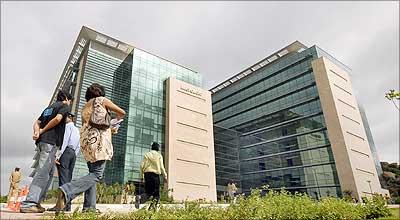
[352, 154]
[189, 151]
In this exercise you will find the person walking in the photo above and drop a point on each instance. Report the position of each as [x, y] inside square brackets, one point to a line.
[231, 188]
[66, 157]
[151, 167]
[96, 147]
[126, 193]
[14, 179]
[48, 133]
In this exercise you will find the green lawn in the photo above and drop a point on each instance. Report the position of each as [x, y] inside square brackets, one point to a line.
[395, 214]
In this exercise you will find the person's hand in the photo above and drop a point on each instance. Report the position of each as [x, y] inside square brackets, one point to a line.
[35, 135]
[165, 178]
[57, 161]
[114, 130]
[41, 131]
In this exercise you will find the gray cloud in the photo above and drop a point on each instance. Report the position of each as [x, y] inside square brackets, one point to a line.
[218, 39]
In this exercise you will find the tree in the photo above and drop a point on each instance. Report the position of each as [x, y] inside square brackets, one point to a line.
[393, 95]
[391, 177]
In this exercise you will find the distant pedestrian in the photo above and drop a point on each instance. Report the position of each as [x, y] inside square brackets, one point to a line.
[96, 147]
[48, 132]
[14, 179]
[126, 193]
[65, 159]
[231, 188]
[151, 168]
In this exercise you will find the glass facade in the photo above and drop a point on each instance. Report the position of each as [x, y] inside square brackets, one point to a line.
[137, 84]
[282, 139]
[227, 167]
[371, 142]
[147, 107]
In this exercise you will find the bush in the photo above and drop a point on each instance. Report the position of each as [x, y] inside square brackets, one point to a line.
[274, 205]
[376, 207]
[333, 208]
[164, 197]
[3, 199]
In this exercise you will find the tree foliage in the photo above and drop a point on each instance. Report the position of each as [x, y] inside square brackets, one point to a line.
[393, 95]
[391, 180]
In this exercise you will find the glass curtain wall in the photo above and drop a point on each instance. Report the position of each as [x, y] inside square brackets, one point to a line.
[283, 140]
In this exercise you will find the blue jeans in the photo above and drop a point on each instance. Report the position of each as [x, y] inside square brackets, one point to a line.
[66, 168]
[43, 177]
[85, 184]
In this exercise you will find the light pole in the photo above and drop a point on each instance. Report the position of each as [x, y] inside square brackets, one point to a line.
[369, 183]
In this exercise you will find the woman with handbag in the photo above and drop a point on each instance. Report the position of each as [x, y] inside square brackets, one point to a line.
[96, 147]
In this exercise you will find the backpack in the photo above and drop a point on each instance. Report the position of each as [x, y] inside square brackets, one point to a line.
[100, 118]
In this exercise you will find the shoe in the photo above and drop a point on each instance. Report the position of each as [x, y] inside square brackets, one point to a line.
[137, 201]
[91, 210]
[60, 204]
[41, 208]
[32, 209]
[53, 209]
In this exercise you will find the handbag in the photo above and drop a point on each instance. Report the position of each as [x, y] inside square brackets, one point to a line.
[99, 118]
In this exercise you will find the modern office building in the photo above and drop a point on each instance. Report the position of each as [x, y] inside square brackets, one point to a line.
[291, 120]
[136, 81]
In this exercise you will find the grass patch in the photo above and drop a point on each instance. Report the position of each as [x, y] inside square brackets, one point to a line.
[395, 214]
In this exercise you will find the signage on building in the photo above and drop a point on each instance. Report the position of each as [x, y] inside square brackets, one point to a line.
[191, 91]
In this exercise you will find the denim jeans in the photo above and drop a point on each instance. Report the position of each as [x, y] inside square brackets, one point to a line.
[66, 168]
[85, 184]
[43, 177]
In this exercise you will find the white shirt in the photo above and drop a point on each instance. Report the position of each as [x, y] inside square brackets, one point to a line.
[71, 139]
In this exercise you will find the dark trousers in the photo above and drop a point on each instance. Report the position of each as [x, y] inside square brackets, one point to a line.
[65, 169]
[151, 188]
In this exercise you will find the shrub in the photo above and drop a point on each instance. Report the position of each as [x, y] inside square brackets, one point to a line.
[278, 205]
[3, 199]
[333, 208]
[164, 197]
[376, 207]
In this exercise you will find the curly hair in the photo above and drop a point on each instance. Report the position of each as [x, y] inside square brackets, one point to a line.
[95, 90]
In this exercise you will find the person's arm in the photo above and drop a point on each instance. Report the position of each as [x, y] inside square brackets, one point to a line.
[113, 107]
[36, 129]
[52, 123]
[67, 134]
[164, 173]
[142, 168]
[63, 111]
[19, 178]
[78, 149]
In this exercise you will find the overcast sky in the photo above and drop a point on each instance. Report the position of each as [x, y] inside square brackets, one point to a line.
[218, 39]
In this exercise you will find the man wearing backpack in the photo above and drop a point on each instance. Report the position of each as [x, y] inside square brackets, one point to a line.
[48, 133]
